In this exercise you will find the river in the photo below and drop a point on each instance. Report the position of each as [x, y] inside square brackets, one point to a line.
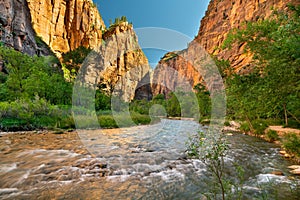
[143, 162]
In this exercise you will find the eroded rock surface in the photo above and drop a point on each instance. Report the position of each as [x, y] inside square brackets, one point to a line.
[67, 24]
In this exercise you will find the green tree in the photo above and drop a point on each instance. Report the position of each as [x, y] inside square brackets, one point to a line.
[102, 101]
[74, 59]
[173, 106]
[29, 77]
[204, 100]
[275, 43]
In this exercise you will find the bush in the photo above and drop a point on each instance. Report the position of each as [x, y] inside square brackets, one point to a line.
[272, 136]
[24, 108]
[107, 121]
[226, 123]
[291, 143]
[259, 127]
[26, 114]
[245, 127]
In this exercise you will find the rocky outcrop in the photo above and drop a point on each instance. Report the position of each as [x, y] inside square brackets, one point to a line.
[221, 16]
[118, 65]
[67, 24]
[15, 26]
[170, 72]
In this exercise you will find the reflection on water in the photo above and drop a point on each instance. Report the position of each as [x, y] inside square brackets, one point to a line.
[144, 162]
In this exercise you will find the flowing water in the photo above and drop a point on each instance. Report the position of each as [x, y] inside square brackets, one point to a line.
[143, 162]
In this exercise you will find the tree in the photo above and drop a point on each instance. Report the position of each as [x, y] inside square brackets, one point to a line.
[204, 100]
[29, 77]
[275, 43]
[74, 59]
[173, 106]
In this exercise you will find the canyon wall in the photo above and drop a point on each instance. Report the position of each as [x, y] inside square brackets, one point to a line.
[118, 65]
[221, 16]
[15, 26]
[67, 24]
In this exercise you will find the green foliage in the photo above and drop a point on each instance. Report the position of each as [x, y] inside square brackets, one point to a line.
[212, 152]
[102, 101]
[245, 127]
[259, 127]
[39, 41]
[31, 76]
[226, 123]
[176, 104]
[271, 90]
[291, 143]
[117, 22]
[272, 136]
[109, 120]
[204, 101]
[140, 106]
[26, 114]
[74, 59]
[3, 77]
[211, 149]
[173, 106]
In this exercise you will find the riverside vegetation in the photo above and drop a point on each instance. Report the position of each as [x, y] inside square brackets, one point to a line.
[35, 94]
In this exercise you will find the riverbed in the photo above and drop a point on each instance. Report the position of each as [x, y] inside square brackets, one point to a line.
[142, 162]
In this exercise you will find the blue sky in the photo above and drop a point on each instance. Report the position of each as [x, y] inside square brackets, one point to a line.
[178, 15]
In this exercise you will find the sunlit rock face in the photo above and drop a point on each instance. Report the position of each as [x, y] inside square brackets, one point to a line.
[67, 24]
[118, 65]
[15, 26]
[221, 16]
[224, 15]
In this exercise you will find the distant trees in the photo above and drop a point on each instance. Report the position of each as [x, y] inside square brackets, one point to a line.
[117, 21]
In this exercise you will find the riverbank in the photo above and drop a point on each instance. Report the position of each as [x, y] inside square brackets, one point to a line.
[287, 138]
[66, 122]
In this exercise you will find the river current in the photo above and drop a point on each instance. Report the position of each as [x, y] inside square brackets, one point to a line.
[142, 162]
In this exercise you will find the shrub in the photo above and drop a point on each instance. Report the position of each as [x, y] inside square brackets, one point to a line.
[259, 127]
[107, 121]
[25, 108]
[226, 123]
[245, 127]
[272, 136]
[291, 143]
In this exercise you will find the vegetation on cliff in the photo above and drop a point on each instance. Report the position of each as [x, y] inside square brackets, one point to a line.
[271, 90]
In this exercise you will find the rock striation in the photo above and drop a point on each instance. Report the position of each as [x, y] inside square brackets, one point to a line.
[118, 65]
[15, 26]
[221, 16]
[67, 24]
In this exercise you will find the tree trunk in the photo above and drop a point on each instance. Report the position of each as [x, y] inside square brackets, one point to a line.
[250, 124]
[285, 115]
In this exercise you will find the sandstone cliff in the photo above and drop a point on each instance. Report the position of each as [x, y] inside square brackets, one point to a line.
[15, 26]
[67, 24]
[118, 65]
[221, 16]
